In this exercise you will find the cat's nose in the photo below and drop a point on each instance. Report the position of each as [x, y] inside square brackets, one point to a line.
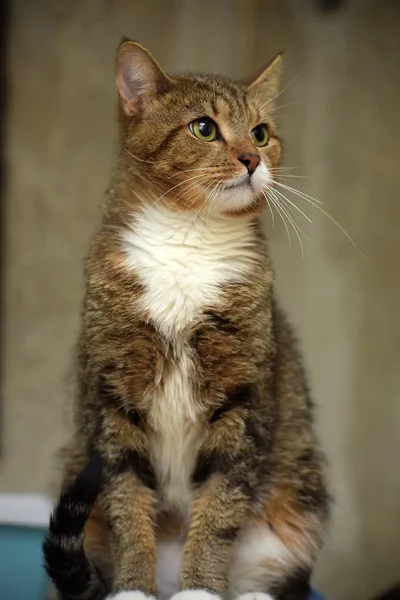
[250, 161]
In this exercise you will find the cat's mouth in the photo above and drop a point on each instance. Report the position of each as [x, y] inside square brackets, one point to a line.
[243, 189]
[243, 180]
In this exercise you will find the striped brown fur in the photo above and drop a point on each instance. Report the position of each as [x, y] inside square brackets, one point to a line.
[251, 451]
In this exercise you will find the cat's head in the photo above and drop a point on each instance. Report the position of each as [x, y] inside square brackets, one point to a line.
[197, 142]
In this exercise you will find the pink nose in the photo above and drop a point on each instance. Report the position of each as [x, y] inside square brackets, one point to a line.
[250, 161]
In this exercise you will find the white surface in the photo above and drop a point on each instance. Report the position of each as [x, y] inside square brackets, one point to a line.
[25, 509]
[255, 596]
[195, 595]
[130, 595]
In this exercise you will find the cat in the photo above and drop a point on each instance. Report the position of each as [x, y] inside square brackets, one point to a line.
[190, 386]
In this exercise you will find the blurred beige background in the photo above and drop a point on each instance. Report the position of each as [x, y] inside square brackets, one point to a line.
[342, 131]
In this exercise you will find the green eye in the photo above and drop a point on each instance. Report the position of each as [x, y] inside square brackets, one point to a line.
[260, 135]
[205, 129]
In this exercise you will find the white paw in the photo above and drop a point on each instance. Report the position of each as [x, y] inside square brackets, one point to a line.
[255, 596]
[130, 596]
[195, 595]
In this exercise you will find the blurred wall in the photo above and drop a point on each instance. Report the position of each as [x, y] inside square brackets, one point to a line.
[340, 122]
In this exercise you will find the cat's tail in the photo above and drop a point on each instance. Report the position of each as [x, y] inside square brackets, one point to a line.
[74, 575]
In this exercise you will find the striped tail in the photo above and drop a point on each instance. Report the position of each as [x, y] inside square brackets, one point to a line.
[74, 575]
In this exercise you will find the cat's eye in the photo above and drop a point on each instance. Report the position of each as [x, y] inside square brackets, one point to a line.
[204, 129]
[260, 135]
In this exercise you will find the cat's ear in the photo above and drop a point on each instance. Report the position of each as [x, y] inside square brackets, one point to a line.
[138, 76]
[265, 84]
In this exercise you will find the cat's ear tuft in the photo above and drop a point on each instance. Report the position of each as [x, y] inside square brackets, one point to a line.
[138, 77]
[266, 82]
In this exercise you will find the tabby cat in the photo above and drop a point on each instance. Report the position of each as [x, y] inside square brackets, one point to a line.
[190, 388]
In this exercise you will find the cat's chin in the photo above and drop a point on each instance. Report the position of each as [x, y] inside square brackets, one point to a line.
[236, 198]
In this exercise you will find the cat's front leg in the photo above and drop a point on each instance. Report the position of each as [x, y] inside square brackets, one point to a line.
[224, 479]
[128, 500]
[217, 516]
[129, 508]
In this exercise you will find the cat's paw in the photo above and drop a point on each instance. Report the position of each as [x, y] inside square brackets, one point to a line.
[133, 595]
[255, 596]
[195, 595]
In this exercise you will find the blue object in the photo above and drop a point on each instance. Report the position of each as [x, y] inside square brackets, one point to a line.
[22, 576]
[23, 525]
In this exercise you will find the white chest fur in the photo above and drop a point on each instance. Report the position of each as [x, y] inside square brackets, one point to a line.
[183, 261]
[177, 430]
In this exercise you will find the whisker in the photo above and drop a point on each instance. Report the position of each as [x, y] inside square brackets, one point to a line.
[208, 169]
[288, 208]
[284, 168]
[191, 204]
[206, 189]
[281, 92]
[184, 192]
[292, 224]
[314, 202]
[293, 176]
[275, 108]
[293, 213]
[295, 226]
[296, 191]
[278, 210]
[200, 209]
[170, 190]
[294, 205]
[204, 175]
[150, 162]
[218, 188]
[270, 208]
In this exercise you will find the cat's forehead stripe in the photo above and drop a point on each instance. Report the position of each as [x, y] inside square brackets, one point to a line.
[211, 89]
[232, 99]
[223, 97]
[237, 102]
